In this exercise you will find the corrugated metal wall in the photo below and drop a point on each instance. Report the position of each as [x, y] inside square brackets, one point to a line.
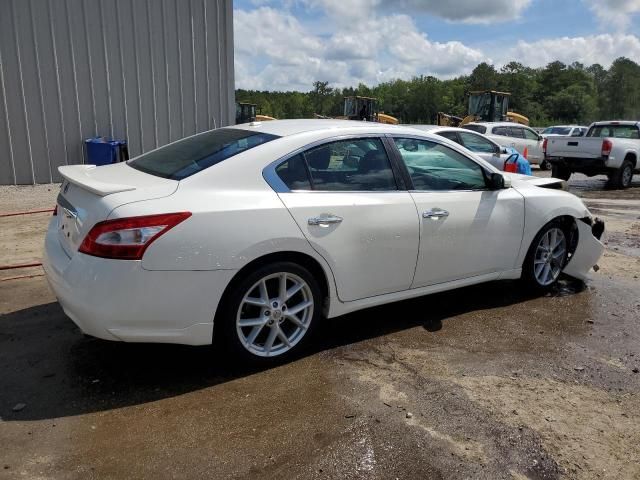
[148, 71]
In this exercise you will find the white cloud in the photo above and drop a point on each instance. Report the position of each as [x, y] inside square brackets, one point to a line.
[602, 49]
[468, 11]
[275, 51]
[615, 14]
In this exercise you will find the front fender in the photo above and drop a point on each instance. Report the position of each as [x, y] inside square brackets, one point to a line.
[587, 254]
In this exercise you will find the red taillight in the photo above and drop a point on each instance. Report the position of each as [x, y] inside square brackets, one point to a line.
[55, 210]
[128, 238]
[544, 145]
[607, 145]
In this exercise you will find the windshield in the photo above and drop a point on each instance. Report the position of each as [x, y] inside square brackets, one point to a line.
[479, 104]
[557, 131]
[615, 131]
[191, 155]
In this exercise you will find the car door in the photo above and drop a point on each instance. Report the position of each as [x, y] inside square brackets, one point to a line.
[347, 200]
[533, 143]
[467, 230]
[516, 136]
[484, 148]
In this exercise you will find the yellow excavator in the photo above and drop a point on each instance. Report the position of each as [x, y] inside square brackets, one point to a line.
[246, 112]
[365, 108]
[484, 106]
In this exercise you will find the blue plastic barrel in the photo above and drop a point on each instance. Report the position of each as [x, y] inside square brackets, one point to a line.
[103, 151]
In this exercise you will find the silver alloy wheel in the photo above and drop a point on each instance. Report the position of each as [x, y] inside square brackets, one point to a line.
[627, 173]
[274, 314]
[550, 253]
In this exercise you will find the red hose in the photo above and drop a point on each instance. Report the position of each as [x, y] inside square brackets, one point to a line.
[28, 212]
[23, 265]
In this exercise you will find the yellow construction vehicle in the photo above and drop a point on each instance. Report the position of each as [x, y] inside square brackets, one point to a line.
[365, 108]
[485, 106]
[246, 112]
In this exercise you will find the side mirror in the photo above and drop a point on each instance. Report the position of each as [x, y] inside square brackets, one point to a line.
[540, 138]
[496, 181]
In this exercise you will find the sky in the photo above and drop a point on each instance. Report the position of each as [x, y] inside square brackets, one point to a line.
[288, 44]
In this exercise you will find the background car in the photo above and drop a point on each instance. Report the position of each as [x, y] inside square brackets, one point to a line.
[249, 235]
[516, 136]
[565, 131]
[484, 147]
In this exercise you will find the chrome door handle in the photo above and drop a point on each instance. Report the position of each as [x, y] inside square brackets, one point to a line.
[324, 220]
[435, 213]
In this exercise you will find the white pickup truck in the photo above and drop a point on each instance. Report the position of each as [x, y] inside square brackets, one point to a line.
[608, 148]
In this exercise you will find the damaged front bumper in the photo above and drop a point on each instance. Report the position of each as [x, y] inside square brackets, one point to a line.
[588, 250]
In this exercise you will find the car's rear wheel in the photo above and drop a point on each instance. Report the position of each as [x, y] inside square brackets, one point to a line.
[558, 171]
[545, 165]
[272, 313]
[547, 256]
[621, 178]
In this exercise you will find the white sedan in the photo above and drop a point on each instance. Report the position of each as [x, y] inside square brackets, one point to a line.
[249, 235]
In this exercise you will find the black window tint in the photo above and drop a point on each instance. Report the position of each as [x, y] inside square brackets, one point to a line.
[516, 132]
[191, 155]
[435, 167]
[351, 165]
[476, 128]
[294, 174]
[502, 131]
[451, 136]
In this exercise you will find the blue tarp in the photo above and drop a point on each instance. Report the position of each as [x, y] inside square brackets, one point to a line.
[522, 164]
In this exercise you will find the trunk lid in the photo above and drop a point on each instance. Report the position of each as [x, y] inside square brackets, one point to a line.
[88, 195]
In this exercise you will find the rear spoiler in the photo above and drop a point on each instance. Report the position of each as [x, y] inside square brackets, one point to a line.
[81, 175]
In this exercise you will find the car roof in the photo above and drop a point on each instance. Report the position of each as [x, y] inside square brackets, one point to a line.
[285, 128]
[565, 126]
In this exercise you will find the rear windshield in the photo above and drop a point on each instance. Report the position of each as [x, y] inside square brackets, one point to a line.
[557, 131]
[616, 131]
[191, 155]
[476, 128]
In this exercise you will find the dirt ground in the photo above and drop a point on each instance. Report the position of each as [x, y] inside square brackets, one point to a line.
[482, 382]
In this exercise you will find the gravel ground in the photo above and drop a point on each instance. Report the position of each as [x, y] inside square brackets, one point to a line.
[483, 382]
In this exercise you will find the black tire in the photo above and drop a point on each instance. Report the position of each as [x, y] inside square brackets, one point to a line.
[528, 267]
[226, 334]
[558, 171]
[545, 165]
[621, 178]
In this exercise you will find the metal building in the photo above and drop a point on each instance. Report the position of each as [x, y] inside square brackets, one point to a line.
[148, 71]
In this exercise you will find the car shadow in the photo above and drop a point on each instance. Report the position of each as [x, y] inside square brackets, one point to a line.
[47, 364]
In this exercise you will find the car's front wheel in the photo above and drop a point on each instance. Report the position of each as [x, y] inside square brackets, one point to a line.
[545, 165]
[547, 256]
[271, 313]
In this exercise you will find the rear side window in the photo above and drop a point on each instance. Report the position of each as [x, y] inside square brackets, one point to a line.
[294, 173]
[191, 155]
[350, 165]
[502, 131]
[477, 128]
